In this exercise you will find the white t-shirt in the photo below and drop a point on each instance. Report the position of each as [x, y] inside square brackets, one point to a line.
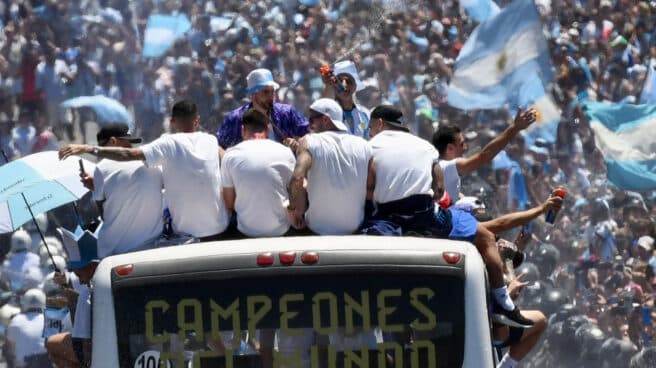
[259, 170]
[132, 211]
[82, 319]
[403, 165]
[451, 178]
[192, 181]
[24, 332]
[337, 182]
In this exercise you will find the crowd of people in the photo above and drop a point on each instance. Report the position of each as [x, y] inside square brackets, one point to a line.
[591, 273]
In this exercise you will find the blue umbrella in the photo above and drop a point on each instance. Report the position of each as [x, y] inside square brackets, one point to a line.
[35, 184]
[107, 110]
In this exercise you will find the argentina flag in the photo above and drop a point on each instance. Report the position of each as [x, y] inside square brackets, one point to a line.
[161, 33]
[624, 133]
[480, 10]
[498, 58]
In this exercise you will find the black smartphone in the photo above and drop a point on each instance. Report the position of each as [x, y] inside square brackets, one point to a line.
[81, 168]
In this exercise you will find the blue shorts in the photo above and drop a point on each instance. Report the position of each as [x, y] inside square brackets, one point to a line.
[463, 224]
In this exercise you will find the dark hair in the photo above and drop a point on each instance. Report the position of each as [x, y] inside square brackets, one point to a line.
[446, 134]
[184, 110]
[254, 121]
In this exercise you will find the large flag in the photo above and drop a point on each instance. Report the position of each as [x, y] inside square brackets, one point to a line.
[624, 133]
[480, 10]
[501, 54]
[162, 31]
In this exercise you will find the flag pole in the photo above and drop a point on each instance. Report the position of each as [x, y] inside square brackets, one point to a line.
[40, 233]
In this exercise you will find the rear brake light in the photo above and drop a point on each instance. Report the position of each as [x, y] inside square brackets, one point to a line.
[287, 258]
[309, 257]
[452, 257]
[124, 270]
[265, 259]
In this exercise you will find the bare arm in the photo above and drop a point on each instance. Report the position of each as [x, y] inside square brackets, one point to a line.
[297, 191]
[511, 220]
[229, 197]
[112, 153]
[371, 180]
[470, 164]
[438, 182]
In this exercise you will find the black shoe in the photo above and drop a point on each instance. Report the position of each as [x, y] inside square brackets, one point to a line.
[510, 318]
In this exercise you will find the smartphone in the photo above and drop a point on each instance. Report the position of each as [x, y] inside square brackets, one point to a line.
[81, 168]
[526, 231]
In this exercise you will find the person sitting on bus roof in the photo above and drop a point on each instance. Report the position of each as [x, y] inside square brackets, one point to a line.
[73, 349]
[254, 174]
[408, 181]
[450, 143]
[128, 195]
[334, 163]
[190, 163]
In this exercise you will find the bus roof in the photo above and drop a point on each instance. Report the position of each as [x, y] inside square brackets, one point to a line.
[302, 243]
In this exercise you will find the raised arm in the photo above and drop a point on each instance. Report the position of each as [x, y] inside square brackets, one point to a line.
[112, 153]
[522, 120]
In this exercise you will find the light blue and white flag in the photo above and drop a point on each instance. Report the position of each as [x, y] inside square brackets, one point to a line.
[501, 54]
[162, 31]
[648, 95]
[533, 94]
[624, 133]
[480, 10]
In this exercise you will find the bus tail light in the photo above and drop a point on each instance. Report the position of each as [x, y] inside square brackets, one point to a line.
[265, 259]
[310, 257]
[124, 270]
[452, 257]
[287, 258]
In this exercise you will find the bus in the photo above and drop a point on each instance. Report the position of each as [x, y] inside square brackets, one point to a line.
[294, 302]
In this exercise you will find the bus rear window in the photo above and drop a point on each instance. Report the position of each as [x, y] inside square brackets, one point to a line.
[321, 319]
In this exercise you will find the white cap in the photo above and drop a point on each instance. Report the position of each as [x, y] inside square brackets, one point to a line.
[348, 67]
[469, 204]
[33, 299]
[646, 242]
[258, 79]
[331, 109]
[20, 240]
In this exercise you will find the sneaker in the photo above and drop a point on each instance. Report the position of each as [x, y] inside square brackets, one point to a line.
[510, 318]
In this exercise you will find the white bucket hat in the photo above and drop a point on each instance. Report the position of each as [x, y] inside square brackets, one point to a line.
[348, 67]
[330, 108]
[258, 79]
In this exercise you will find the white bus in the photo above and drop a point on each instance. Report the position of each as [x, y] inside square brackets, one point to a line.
[294, 302]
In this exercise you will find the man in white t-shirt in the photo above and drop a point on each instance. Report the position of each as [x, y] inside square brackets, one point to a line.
[189, 161]
[335, 165]
[450, 143]
[25, 344]
[254, 176]
[407, 181]
[129, 197]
